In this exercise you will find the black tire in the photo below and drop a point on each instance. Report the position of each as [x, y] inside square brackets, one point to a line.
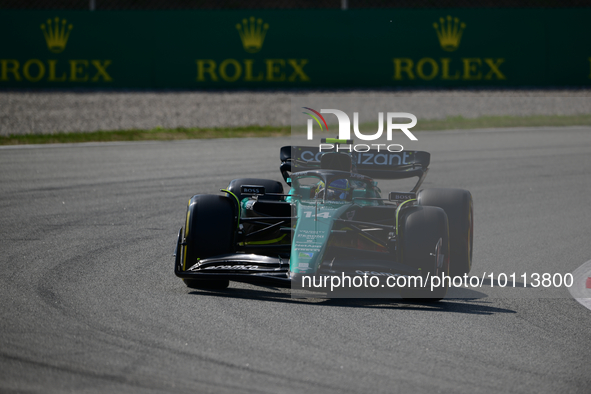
[458, 206]
[425, 246]
[269, 185]
[209, 231]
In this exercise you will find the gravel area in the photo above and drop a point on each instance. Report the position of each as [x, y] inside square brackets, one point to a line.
[25, 112]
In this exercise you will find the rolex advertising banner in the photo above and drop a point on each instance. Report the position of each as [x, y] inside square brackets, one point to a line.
[295, 48]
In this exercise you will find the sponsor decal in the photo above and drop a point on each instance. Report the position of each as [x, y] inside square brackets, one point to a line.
[233, 267]
[252, 190]
[449, 32]
[366, 158]
[306, 247]
[311, 234]
[56, 33]
[401, 196]
[374, 273]
[305, 255]
[382, 159]
[252, 33]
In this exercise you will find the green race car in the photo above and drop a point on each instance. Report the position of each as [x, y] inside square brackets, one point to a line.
[332, 223]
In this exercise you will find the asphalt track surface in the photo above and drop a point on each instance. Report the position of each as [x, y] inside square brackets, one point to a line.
[90, 303]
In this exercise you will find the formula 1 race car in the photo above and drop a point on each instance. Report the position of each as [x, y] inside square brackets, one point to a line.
[332, 221]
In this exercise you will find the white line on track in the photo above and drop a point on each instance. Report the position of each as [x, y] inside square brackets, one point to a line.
[581, 288]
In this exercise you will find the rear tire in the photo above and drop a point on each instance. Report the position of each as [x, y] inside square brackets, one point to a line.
[458, 206]
[209, 231]
[425, 246]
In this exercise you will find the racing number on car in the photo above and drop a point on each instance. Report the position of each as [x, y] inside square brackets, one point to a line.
[324, 215]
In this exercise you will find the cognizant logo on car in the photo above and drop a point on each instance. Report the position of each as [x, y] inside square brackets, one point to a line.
[381, 159]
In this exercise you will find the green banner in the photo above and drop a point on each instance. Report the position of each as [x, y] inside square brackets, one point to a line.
[295, 48]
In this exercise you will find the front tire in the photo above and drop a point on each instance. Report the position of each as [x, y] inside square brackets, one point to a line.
[425, 246]
[458, 206]
[209, 231]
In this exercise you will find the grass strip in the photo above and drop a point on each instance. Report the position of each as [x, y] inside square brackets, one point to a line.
[181, 133]
[156, 134]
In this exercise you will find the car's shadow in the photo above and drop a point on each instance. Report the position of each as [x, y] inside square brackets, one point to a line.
[466, 301]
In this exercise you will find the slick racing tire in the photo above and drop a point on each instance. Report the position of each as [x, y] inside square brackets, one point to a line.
[457, 204]
[270, 186]
[209, 231]
[425, 246]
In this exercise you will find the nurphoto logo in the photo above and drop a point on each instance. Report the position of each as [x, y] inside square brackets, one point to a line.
[345, 129]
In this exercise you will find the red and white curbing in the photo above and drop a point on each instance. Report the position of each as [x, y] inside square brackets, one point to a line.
[581, 288]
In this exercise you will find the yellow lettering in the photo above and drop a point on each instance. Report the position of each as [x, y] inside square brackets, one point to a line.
[434, 68]
[297, 70]
[202, 69]
[100, 70]
[6, 69]
[274, 67]
[494, 68]
[445, 70]
[471, 66]
[78, 67]
[52, 78]
[237, 70]
[248, 71]
[40, 68]
[399, 68]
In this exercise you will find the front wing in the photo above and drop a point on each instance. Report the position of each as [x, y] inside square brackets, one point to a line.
[250, 268]
[274, 271]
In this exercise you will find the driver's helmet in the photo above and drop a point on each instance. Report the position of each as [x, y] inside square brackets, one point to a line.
[339, 189]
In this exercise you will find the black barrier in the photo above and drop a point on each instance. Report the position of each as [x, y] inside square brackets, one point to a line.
[296, 48]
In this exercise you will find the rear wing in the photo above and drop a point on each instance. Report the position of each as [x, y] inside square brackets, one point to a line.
[373, 163]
